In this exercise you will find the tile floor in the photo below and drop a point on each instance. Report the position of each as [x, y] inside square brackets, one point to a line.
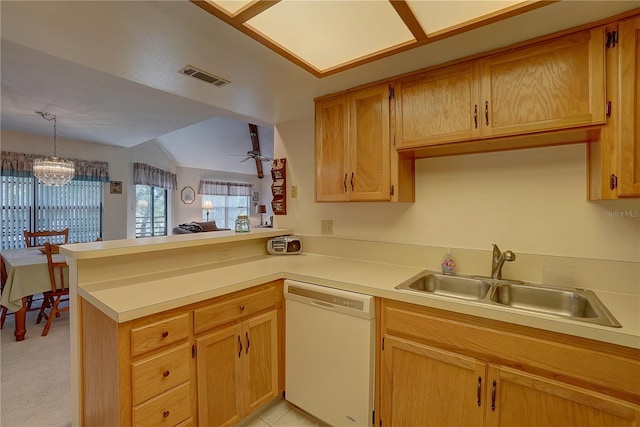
[282, 414]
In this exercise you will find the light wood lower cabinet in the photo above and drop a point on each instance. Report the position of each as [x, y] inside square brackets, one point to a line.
[444, 369]
[237, 370]
[209, 364]
[428, 387]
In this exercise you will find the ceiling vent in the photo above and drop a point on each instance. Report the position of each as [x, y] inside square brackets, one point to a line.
[204, 76]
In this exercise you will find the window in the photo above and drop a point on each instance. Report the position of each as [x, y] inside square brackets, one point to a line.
[151, 211]
[226, 209]
[27, 204]
[230, 199]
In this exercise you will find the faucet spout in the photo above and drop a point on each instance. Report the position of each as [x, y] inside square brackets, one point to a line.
[498, 260]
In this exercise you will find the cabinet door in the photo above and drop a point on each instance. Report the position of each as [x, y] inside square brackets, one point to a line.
[525, 400]
[424, 386]
[331, 149]
[439, 106]
[220, 377]
[370, 171]
[260, 360]
[629, 145]
[552, 85]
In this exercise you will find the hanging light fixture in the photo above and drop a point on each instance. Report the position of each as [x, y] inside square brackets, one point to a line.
[53, 170]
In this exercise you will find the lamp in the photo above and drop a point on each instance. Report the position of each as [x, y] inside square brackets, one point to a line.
[53, 170]
[208, 204]
[262, 209]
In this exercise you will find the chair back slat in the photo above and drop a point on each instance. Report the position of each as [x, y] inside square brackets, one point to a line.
[38, 238]
[57, 285]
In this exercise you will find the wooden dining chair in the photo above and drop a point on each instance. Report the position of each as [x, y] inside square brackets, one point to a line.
[37, 238]
[59, 291]
[3, 279]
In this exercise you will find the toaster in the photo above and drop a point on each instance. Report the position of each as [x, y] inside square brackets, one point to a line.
[284, 245]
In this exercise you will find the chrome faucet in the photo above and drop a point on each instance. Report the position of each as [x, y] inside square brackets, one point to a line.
[498, 260]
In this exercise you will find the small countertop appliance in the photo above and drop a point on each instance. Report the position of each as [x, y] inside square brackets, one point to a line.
[284, 245]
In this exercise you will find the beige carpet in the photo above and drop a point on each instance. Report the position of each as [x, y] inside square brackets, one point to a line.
[34, 375]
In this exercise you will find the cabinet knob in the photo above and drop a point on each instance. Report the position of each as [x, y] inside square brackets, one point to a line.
[165, 334]
[166, 373]
[241, 307]
[165, 414]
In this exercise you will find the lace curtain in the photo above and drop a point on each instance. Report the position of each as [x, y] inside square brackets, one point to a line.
[144, 174]
[219, 188]
[21, 165]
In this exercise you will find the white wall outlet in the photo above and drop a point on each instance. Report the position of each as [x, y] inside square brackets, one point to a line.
[224, 255]
[326, 226]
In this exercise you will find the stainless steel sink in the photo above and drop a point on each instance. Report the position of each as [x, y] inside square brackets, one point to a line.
[573, 303]
[569, 303]
[450, 286]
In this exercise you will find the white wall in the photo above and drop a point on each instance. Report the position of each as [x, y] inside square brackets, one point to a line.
[530, 201]
[191, 177]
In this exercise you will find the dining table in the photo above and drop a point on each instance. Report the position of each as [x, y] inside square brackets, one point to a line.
[27, 274]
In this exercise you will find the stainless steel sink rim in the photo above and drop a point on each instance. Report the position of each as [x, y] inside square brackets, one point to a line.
[568, 303]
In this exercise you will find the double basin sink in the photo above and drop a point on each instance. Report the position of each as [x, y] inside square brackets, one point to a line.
[572, 303]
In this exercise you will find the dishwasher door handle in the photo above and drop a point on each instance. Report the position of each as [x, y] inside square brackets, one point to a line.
[322, 304]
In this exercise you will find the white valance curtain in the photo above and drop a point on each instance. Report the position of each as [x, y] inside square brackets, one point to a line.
[144, 174]
[219, 188]
[21, 165]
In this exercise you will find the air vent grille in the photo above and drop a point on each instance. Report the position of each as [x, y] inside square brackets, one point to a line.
[204, 76]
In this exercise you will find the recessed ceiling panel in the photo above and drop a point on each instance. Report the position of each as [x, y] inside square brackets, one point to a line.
[435, 16]
[326, 34]
[231, 6]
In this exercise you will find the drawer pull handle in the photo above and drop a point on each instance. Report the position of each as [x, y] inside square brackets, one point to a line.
[479, 392]
[240, 344]
[248, 342]
[344, 183]
[166, 373]
[352, 188]
[165, 414]
[241, 307]
[165, 334]
[493, 396]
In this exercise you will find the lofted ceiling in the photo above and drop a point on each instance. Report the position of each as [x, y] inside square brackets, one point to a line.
[110, 71]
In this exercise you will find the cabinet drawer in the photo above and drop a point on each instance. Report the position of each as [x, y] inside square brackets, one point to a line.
[156, 335]
[167, 409]
[159, 373]
[233, 309]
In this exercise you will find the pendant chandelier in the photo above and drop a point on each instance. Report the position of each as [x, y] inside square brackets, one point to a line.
[53, 170]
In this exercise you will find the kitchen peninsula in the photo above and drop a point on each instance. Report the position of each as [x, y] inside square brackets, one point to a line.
[185, 289]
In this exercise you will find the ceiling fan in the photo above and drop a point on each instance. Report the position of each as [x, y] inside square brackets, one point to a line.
[254, 155]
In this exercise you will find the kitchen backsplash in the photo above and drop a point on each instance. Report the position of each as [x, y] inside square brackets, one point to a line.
[611, 276]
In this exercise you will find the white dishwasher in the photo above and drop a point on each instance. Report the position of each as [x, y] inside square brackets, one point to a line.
[330, 337]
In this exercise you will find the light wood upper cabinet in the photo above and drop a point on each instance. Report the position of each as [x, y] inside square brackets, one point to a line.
[629, 144]
[352, 147]
[556, 84]
[332, 150]
[439, 106]
[614, 159]
[370, 177]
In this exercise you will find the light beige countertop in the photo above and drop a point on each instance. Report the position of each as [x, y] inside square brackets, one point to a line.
[131, 298]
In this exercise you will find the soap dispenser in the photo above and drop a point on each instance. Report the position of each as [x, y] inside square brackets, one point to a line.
[448, 264]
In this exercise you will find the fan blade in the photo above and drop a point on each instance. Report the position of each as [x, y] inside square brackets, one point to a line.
[245, 159]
